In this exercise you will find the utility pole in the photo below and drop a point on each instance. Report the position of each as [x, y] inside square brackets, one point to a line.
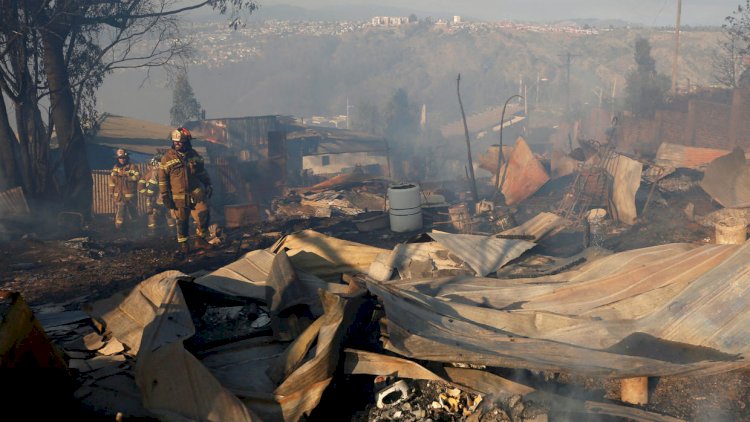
[614, 91]
[348, 126]
[676, 57]
[568, 58]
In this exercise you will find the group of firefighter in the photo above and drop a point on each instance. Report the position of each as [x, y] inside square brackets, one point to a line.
[176, 186]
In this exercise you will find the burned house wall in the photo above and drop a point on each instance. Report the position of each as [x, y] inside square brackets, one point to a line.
[561, 138]
[635, 135]
[670, 127]
[739, 125]
[708, 125]
[705, 124]
[244, 137]
[343, 162]
[598, 122]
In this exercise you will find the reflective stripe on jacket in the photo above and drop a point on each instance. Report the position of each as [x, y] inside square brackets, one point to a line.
[182, 175]
[123, 180]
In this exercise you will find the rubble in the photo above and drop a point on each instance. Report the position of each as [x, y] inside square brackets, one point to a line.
[473, 318]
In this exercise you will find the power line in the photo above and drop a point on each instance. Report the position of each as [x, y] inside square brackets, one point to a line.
[659, 12]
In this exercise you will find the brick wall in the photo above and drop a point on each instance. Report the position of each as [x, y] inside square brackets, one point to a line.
[710, 125]
[670, 126]
[705, 124]
[739, 133]
[636, 136]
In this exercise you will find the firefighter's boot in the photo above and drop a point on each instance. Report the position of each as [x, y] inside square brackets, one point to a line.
[183, 251]
[200, 244]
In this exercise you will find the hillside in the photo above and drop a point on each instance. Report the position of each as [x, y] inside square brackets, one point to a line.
[308, 69]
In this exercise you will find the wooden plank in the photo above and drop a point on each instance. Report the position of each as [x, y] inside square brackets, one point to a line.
[486, 383]
[364, 362]
[495, 385]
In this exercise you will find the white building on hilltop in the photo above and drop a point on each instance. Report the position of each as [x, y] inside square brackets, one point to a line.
[389, 20]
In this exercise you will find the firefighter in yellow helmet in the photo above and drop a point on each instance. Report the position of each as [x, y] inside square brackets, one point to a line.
[148, 186]
[123, 181]
[185, 187]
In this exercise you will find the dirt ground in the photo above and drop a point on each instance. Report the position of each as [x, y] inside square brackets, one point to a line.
[54, 264]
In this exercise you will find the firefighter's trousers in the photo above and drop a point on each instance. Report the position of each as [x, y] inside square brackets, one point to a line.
[201, 217]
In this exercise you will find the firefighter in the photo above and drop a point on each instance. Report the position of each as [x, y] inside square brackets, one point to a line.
[185, 187]
[149, 187]
[123, 182]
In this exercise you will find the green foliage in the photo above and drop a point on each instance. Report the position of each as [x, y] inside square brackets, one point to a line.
[367, 117]
[401, 118]
[184, 104]
[645, 89]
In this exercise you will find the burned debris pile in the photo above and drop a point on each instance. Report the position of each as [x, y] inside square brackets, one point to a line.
[592, 264]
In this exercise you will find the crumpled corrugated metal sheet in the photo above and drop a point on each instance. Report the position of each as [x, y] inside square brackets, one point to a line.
[542, 224]
[239, 381]
[665, 310]
[727, 180]
[484, 254]
[323, 255]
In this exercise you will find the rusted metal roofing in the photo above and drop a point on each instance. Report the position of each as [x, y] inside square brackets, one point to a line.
[681, 156]
[664, 310]
[525, 174]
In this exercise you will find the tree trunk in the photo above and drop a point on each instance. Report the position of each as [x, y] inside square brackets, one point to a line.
[22, 152]
[78, 181]
[9, 176]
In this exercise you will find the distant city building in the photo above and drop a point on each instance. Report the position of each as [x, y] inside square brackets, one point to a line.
[457, 19]
[389, 20]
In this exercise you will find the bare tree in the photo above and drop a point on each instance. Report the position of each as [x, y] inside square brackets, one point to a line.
[726, 60]
[57, 52]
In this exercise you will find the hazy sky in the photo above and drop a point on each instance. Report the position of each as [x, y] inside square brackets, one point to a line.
[648, 12]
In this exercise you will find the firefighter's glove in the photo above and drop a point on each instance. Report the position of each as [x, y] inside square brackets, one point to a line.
[169, 203]
[209, 191]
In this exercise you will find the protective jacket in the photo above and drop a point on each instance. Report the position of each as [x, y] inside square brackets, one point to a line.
[123, 181]
[183, 178]
[149, 185]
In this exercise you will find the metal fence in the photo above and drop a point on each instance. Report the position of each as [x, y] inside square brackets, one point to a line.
[103, 202]
[13, 202]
